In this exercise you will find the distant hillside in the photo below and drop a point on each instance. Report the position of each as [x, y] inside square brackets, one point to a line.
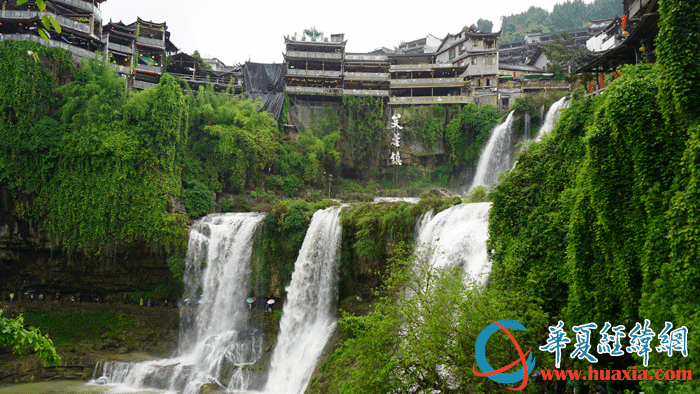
[567, 16]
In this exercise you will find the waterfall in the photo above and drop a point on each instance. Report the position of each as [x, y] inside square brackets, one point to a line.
[496, 156]
[456, 237]
[215, 342]
[552, 117]
[308, 317]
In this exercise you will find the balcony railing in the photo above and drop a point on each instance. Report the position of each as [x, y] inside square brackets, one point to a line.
[150, 69]
[144, 84]
[431, 100]
[150, 41]
[371, 58]
[308, 89]
[419, 67]
[71, 24]
[120, 48]
[224, 81]
[62, 20]
[313, 73]
[80, 52]
[366, 92]
[121, 69]
[83, 5]
[427, 82]
[366, 76]
[315, 55]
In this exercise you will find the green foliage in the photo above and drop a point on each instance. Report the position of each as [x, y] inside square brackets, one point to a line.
[232, 140]
[420, 335]
[600, 219]
[202, 64]
[467, 134]
[364, 130]
[28, 137]
[197, 200]
[427, 124]
[484, 25]
[566, 16]
[13, 333]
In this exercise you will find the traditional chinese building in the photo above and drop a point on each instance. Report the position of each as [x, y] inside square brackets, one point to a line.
[314, 63]
[418, 79]
[80, 21]
[138, 50]
[366, 74]
[478, 53]
[637, 30]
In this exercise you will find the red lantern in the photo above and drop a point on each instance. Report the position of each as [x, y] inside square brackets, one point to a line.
[624, 22]
[591, 87]
[602, 81]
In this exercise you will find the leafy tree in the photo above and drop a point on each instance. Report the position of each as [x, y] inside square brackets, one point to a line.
[203, 65]
[484, 25]
[421, 334]
[13, 333]
[565, 57]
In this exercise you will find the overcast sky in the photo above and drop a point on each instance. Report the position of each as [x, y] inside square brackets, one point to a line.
[235, 31]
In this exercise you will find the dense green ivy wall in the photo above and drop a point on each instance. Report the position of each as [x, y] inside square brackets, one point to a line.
[600, 220]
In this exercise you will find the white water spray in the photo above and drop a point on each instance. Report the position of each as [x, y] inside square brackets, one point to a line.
[552, 117]
[496, 156]
[456, 237]
[308, 318]
[217, 342]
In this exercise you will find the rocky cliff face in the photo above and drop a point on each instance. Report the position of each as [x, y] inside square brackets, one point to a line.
[28, 261]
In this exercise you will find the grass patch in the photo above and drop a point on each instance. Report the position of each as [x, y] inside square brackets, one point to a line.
[69, 327]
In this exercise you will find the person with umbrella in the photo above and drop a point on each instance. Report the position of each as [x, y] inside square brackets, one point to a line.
[268, 306]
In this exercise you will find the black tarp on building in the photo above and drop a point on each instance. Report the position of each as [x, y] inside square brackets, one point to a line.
[265, 82]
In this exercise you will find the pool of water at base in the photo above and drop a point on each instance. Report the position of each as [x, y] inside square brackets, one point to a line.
[66, 387]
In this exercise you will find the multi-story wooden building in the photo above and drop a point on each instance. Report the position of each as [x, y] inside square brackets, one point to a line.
[138, 50]
[478, 53]
[80, 20]
[314, 63]
[418, 79]
[366, 74]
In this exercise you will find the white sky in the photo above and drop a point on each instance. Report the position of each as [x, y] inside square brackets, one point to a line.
[237, 31]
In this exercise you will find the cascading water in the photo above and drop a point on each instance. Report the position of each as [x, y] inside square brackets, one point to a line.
[308, 317]
[216, 341]
[456, 237]
[552, 117]
[496, 156]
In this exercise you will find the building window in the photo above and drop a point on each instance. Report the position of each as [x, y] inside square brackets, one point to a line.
[474, 61]
[452, 53]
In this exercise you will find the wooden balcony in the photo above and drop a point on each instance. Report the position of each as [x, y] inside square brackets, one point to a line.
[79, 52]
[151, 42]
[149, 69]
[313, 73]
[120, 48]
[427, 82]
[366, 92]
[352, 76]
[144, 84]
[83, 5]
[120, 69]
[420, 67]
[315, 55]
[431, 100]
[63, 21]
[366, 58]
[202, 79]
[314, 90]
